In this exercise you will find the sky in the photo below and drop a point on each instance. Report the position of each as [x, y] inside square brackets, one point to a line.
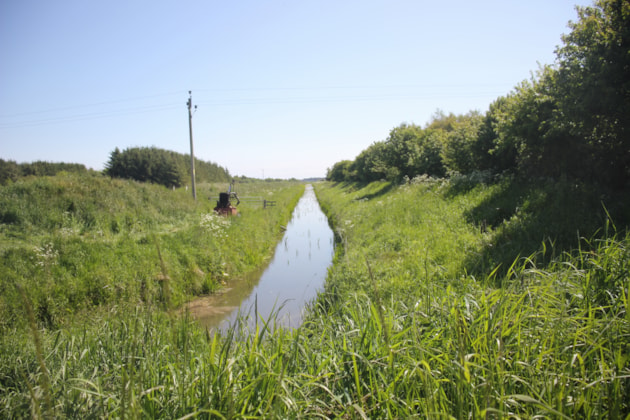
[283, 88]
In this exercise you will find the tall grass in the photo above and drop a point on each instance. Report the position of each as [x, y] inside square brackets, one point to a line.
[406, 334]
[536, 348]
[492, 351]
[84, 241]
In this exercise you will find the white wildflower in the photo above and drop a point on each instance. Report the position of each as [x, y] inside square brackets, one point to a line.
[215, 224]
[46, 254]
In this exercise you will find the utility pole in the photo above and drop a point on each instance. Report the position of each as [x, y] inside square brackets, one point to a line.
[192, 155]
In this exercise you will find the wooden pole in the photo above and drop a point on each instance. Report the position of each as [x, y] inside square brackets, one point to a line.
[192, 154]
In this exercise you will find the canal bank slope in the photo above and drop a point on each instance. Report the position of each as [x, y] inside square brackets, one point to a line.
[430, 310]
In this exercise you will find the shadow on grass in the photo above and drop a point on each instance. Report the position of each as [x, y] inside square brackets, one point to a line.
[546, 218]
[384, 189]
[376, 189]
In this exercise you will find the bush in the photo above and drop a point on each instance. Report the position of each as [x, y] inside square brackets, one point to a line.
[150, 164]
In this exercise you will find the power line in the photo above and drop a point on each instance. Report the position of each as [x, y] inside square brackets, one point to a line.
[83, 106]
[87, 116]
[351, 87]
[338, 99]
[318, 95]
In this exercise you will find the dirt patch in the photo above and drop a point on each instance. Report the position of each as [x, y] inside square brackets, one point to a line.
[207, 306]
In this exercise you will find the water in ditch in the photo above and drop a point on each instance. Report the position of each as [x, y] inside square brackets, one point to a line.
[292, 279]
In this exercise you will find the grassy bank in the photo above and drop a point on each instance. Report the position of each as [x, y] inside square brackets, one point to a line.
[454, 304]
[74, 243]
[414, 322]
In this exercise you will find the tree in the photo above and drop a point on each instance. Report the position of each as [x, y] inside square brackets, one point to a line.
[570, 120]
[442, 121]
[459, 153]
[160, 167]
[430, 144]
[403, 150]
[410, 151]
[593, 86]
[488, 151]
[9, 171]
[340, 172]
[371, 164]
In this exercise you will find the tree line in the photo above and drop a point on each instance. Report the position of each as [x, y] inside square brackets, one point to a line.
[571, 120]
[158, 166]
[10, 170]
[145, 164]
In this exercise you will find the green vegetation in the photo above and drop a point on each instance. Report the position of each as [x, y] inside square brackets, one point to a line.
[74, 243]
[548, 337]
[499, 292]
[158, 166]
[569, 122]
[10, 170]
[403, 329]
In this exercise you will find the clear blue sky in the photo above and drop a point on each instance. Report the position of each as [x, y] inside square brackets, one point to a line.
[283, 87]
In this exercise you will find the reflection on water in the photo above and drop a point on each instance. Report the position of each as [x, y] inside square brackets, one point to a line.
[293, 277]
